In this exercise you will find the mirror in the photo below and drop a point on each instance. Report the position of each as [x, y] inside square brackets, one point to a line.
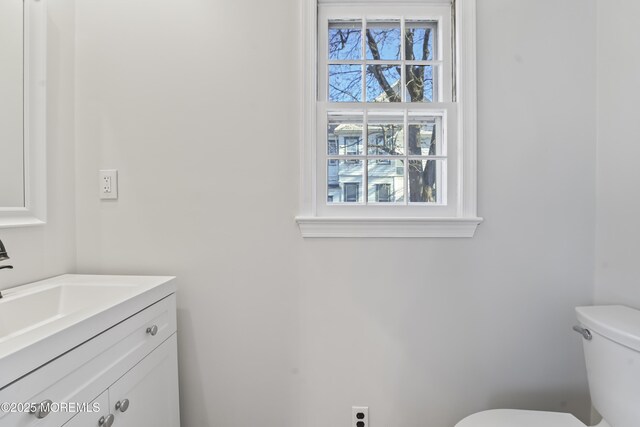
[22, 112]
[11, 104]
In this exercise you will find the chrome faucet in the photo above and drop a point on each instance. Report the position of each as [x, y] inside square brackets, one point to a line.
[3, 257]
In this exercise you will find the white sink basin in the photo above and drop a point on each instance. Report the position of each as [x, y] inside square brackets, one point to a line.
[24, 311]
[40, 321]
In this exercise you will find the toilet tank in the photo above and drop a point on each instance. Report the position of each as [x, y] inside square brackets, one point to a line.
[613, 362]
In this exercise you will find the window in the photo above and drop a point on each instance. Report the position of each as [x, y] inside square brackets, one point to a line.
[389, 130]
[351, 191]
[383, 193]
[333, 146]
[351, 145]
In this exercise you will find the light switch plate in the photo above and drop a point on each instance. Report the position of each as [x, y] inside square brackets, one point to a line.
[108, 184]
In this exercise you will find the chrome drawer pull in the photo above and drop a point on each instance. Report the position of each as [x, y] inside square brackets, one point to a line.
[123, 405]
[152, 330]
[43, 409]
[106, 422]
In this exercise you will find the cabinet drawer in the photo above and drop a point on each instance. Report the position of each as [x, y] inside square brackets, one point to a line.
[81, 374]
[92, 419]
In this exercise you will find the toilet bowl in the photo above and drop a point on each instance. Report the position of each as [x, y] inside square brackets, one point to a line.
[517, 418]
[611, 347]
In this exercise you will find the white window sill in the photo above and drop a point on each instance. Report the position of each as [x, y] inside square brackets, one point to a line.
[387, 227]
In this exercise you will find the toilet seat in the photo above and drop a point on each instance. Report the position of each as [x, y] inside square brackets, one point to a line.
[516, 418]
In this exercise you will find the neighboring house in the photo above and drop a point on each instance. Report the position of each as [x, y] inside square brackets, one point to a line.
[385, 175]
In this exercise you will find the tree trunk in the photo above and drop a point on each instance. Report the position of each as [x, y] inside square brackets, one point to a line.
[416, 176]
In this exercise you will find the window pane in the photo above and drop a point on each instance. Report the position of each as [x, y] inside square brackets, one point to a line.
[332, 144]
[386, 181]
[344, 181]
[351, 145]
[419, 40]
[345, 83]
[383, 40]
[344, 135]
[425, 136]
[345, 40]
[426, 178]
[385, 138]
[420, 83]
[383, 83]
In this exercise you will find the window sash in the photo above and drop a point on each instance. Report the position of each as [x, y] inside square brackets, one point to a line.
[450, 202]
[440, 13]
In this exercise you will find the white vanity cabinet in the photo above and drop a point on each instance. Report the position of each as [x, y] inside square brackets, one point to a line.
[125, 376]
[147, 395]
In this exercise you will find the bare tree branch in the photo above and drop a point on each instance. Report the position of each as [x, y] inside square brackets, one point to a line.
[340, 39]
[377, 70]
[344, 92]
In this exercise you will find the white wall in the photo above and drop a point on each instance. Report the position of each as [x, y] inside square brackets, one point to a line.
[49, 250]
[279, 331]
[618, 234]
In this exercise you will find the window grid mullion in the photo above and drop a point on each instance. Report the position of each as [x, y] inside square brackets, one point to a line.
[427, 157]
[406, 152]
[382, 62]
[365, 118]
[383, 157]
[363, 69]
[365, 145]
[403, 60]
[425, 108]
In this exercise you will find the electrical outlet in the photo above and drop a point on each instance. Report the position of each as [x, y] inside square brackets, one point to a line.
[109, 184]
[360, 416]
[106, 184]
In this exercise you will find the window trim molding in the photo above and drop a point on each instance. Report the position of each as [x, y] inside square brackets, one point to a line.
[387, 227]
[466, 220]
[385, 2]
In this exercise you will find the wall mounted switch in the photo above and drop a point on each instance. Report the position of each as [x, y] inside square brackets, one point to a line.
[109, 184]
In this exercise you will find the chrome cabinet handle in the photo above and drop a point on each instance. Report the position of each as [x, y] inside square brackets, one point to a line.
[123, 405]
[586, 334]
[42, 409]
[152, 330]
[106, 421]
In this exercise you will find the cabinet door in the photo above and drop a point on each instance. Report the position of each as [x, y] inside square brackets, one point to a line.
[92, 418]
[147, 395]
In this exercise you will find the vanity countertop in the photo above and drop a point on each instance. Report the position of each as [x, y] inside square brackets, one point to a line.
[42, 320]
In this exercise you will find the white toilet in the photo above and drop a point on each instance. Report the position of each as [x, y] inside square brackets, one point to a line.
[612, 354]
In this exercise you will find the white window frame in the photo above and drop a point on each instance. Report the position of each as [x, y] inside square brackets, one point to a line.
[456, 219]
